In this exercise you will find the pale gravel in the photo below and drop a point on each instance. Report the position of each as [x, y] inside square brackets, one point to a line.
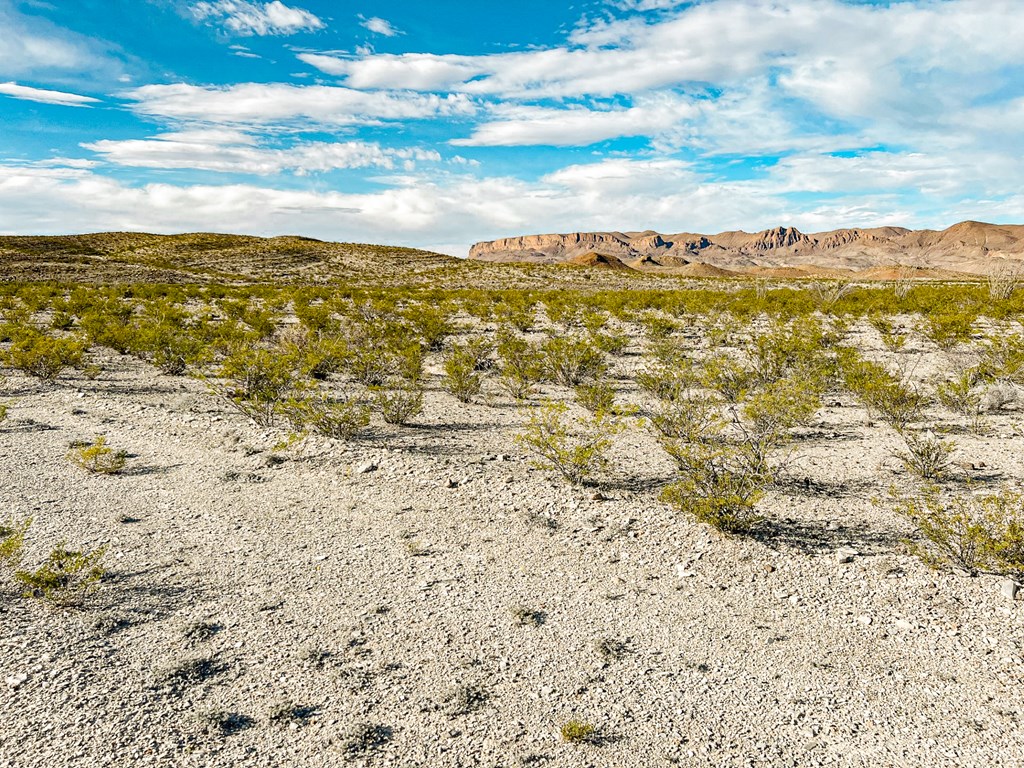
[738, 652]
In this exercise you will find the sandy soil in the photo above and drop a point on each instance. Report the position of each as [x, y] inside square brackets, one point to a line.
[453, 606]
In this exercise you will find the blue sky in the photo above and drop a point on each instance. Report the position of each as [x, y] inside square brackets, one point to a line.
[438, 124]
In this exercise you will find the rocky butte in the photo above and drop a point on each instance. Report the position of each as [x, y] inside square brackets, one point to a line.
[971, 247]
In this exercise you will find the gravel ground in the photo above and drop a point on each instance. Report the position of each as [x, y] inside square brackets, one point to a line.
[422, 596]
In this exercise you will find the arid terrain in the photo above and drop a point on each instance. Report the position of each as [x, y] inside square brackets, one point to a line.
[967, 248]
[288, 583]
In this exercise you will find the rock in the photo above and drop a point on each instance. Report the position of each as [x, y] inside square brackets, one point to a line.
[14, 682]
[1009, 588]
[366, 467]
[845, 555]
[904, 625]
[865, 620]
[450, 483]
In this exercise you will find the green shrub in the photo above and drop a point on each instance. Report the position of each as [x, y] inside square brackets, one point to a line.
[66, 576]
[12, 542]
[97, 457]
[575, 449]
[691, 417]
[892, 340]
[717, 485]
[927, 456]
[578, 732]
[520, 366]
[884, 395]
[596, 396]
[256, 382]
[948, 329]
[970, 533]
[399, 405]
[960, 396]
[727, 376]
[460, 375]
[570, 361]
[45, 357]
[339, 419]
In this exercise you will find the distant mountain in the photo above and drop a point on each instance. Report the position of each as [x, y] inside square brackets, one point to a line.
[970, 247]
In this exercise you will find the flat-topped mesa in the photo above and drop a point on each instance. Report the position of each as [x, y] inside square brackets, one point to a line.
[547, 247]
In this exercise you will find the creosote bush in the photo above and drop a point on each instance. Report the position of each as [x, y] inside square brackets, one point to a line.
[99, 458]
[340, 419]
[927, 455]
[970, 533]
[576, 449]
[44, 357]
[460, 373]
[66, 577]
[400, 404]
[578, 732]
[12, 542]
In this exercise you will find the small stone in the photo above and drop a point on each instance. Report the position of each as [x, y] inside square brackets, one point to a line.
[865, 620]
[14, 682]
[845, 555]
[1009, 588]
[904, 624]
[450, 483]
[598, 496]
[366, 467]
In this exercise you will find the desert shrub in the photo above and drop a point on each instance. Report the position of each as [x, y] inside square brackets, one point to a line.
[892, 339]
[970, 533]
[3, 412]
[595, 396]
[665, 381]
[960, 396]
[66, 576]
[728, 376]
[460, 375]
[570, 361]
[62, 320]
[610, 342]
[339, 419]
[12, 542]
[99, 458]
[828, 293]
[1002, 358]
[884, 395]
[256, 382]
[576, 449]
[789, 350]
[947, 329]
[520, 366]
[717, 485]
[578, 732]
[689, 416]
[1004, 280]
[109, 324]
[926, 455]
[433, 325]
[172, 347]
[657, 325]
[44, 357]
[401, 404]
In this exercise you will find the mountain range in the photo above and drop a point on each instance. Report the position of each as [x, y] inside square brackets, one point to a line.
[970, 247]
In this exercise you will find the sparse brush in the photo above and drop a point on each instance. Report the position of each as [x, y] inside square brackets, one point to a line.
[970, 533]
[596, 397]
[44, 357]
[460, 373]
[520, 366]
[12, 542]
[576, 449]
[399, 405]
[927, 456]
[256, 382]
[578, 732]
[727, 376]
[894, 400]
[570, 361]
[689, 417]
[66, 576]
[340, 419]
[960, 396]
[948, 329]
[892, 339]
[526, 617]
[98, 458]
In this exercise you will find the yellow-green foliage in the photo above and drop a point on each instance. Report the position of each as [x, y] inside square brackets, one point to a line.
[44, 357]
[66, 576]
[520, 366]
[961, 396]
[570, 360]
[927, 455]
[460, 372]
[577, 449]
[399, 404]
[12, 542]
[968, 532]
[340, 419]
[578, 732]
[949, 328]
[97, 457]
[596, 396]
[257, 381]
[882, 394]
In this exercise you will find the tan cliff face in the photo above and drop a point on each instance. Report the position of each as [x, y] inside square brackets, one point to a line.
[969, 247]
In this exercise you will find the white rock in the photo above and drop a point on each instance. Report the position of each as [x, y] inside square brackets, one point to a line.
[366, 467]
[1009, 588]
[16, 681]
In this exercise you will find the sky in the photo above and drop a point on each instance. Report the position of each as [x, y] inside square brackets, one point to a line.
[438, 124]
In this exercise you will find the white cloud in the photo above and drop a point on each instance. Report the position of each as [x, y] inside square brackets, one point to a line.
[379, 26]
[247, 18]
[43, 96]
[579, 126]
[276, 104]
[228, 152]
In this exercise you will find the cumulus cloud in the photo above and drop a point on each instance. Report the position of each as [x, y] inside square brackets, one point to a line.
[379, 26]
[246, 18]
[228, 152]
[270, 104]
[43, 96]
